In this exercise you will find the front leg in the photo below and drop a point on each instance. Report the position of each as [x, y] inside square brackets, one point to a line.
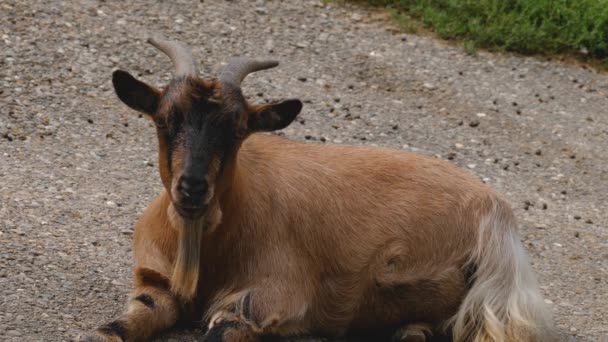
[151, 308]
[248, 315]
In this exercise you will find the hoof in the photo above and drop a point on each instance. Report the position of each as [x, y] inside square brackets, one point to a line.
[229, 327]
[413, 333]
[222, 318]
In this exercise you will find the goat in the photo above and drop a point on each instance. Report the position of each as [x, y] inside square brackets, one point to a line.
[256, 234]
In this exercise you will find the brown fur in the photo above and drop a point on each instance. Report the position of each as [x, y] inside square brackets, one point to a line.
[349, 225]
[331, 238]
[302, 238]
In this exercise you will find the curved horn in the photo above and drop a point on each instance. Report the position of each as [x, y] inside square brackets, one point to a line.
[180, 55]
[239, 67]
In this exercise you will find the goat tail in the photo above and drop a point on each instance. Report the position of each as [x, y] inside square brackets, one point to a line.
[503, 303]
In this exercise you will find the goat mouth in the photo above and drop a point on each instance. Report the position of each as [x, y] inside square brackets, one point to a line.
[189, 212]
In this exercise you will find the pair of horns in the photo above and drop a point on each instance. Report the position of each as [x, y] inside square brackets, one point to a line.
[234, 72]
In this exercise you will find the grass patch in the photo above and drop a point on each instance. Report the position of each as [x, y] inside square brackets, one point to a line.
[578, 27]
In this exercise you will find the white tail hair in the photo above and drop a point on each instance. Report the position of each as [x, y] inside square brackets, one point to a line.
[504, 302]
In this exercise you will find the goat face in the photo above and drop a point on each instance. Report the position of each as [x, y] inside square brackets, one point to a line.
[200, 125]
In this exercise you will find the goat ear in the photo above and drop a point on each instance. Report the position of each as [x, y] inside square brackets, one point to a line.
[134, 93]
[273, 116]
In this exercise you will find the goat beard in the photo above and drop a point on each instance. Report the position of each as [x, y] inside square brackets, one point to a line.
[185, 277]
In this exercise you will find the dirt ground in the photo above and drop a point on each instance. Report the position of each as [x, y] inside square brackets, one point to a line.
[77, 167]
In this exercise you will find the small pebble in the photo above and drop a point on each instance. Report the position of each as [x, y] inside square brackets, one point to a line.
[429, 86]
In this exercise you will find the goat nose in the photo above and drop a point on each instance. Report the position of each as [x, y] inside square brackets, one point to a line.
[192, 188]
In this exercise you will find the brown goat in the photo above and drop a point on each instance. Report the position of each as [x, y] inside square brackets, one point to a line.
[261, 235]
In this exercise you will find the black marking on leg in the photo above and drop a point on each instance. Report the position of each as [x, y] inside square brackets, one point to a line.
[147, 300]
[115, 328]
[147, 277]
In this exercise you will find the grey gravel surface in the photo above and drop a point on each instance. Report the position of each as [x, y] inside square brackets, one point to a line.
[77, 167]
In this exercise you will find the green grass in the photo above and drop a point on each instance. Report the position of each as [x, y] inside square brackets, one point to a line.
[578, 27]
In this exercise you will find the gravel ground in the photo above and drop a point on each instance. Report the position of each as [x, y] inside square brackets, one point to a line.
[77, 167]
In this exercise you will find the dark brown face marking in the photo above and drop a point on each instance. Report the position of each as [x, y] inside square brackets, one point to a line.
[196, 125]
